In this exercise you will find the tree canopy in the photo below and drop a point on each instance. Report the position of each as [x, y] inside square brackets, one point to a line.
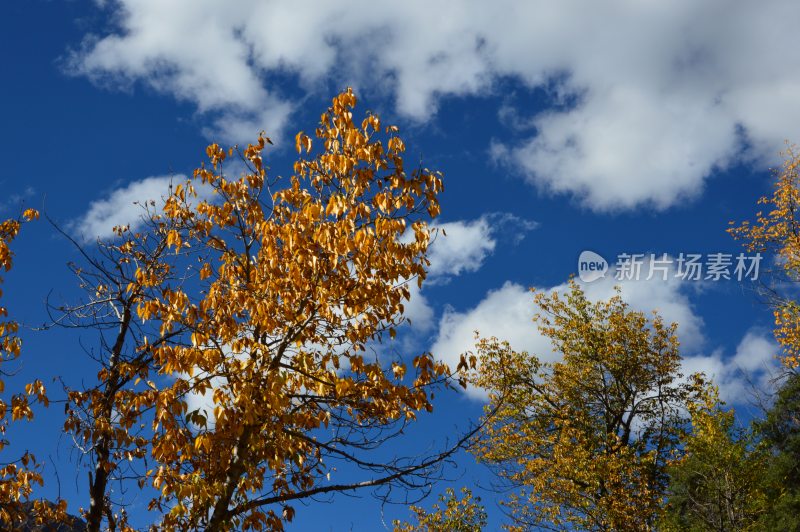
[585, 442]
[240, 368]
[239, 332]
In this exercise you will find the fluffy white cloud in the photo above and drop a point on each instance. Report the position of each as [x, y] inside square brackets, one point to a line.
[418, 309]
[204, 403]
[507, 314]
[126, 205]
[123, 206]
[462, 247]
[652, 96]
[744, 375]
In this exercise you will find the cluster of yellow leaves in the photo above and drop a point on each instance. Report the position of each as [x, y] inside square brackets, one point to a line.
[294, 278]
[585, 441]
[450, 514]
[18, 477]
[778, 231]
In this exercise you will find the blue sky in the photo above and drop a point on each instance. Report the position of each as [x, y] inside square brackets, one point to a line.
[617, 127]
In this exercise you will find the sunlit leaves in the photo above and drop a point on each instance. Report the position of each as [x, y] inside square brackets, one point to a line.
[584, 442]
[266, 297]
[298, 276]
[450, 514]
[777, 230]
[17, 476]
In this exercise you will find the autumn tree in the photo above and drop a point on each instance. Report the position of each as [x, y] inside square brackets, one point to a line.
[450, 514]
[264, 303]
[584, 443]
[110, 417]
[718, 483]
[776, 231]
[18, 475]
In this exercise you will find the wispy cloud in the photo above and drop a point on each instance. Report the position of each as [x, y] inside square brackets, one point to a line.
[16, 200]
[122, 206]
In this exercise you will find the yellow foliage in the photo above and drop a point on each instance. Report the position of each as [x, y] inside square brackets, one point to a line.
[450, 514]
[17, 477]
[289, 281]
[777, 230]
[585, 441]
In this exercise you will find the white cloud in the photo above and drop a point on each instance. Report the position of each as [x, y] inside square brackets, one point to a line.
[745, 374]
[418, 309]
[243, 127]
[204, 403]
[17, 200]
[507, 313]
[619, 150]
[461, 247]
[653, 96]
[123, 206]
[126, 205]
